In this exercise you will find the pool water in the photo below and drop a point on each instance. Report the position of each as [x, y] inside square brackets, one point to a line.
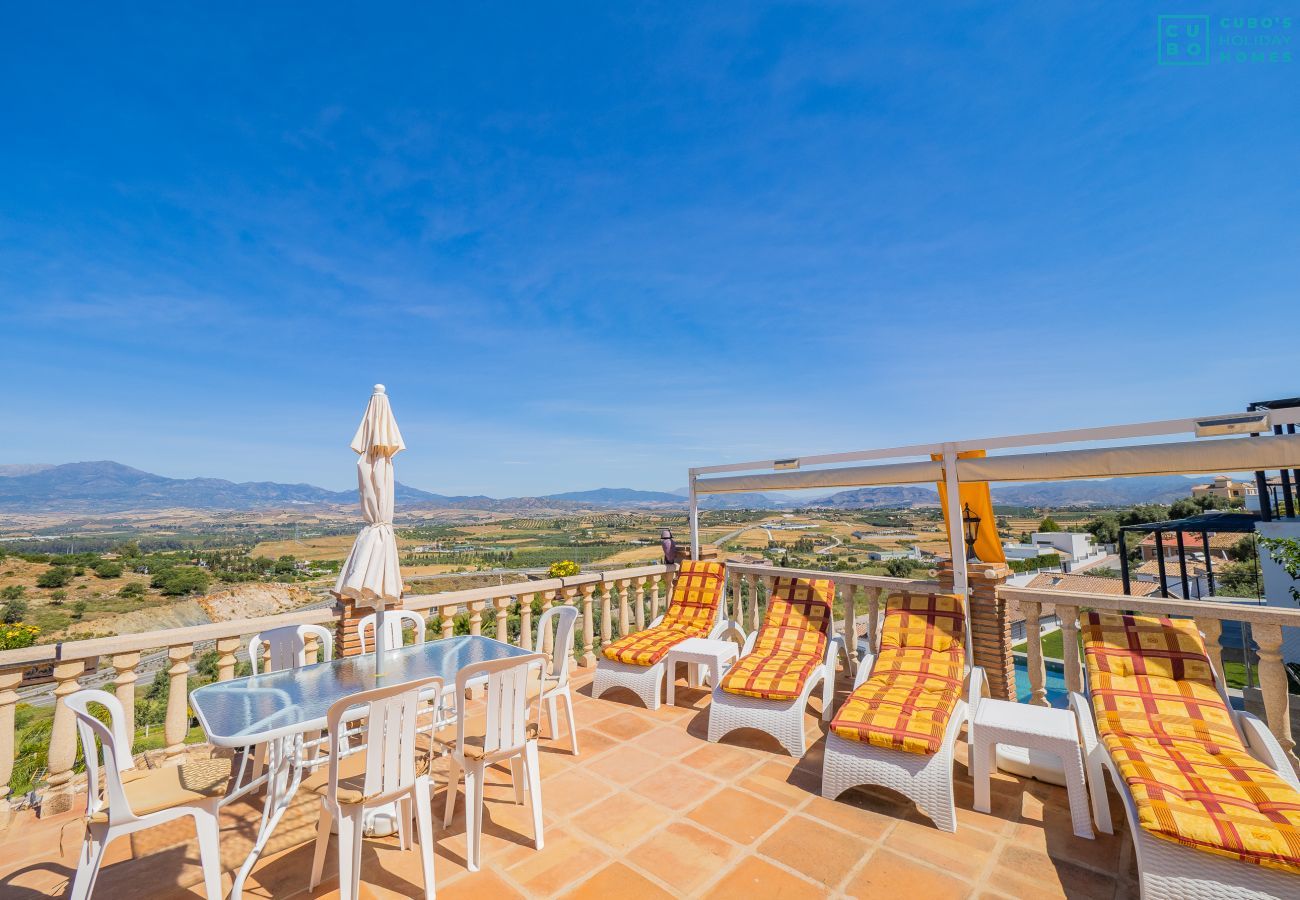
[1056, 692]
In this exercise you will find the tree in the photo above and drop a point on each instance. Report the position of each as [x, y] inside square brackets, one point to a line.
[78, 610]
[900, 567]
[57, 597]
[54, 577]
[107, 568]
[1048, 524]
[1181, 509]
[185, 580]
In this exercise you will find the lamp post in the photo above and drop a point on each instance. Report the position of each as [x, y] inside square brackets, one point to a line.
[971, 525]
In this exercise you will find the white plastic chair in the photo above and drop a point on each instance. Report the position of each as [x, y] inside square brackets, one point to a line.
[131, 799]
[507, 735]
[395, 623]
[384, 773]
[272, 651]
[286, 647]
[555, 679]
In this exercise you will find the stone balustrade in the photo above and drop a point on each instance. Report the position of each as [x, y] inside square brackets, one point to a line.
[611, 605]
[487, 611]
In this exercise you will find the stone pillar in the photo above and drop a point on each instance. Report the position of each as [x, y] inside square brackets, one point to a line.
[990, 627]
[349, 638]
[63, 738]
[177, 722]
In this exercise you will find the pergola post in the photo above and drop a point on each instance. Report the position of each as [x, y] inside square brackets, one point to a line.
[694, 519]
[952, 502]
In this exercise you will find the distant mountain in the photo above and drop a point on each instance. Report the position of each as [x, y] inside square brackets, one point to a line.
[1107, 492]
[617, 497]
[23, 469]
[881, 498]
[744, 501]
[109, 486]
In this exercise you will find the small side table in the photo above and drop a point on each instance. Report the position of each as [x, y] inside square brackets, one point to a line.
[717, 655]
[1036, 728]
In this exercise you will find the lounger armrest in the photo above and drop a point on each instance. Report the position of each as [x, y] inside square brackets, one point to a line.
[728, 631]
[865, 665]
[1265, 747]
[1082, 710]
[656, 621]
[749, 644]
[977, 689]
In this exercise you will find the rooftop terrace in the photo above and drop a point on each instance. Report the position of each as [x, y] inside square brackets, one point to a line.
[649, 809]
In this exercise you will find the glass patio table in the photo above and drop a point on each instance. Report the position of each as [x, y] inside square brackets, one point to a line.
[277, 709]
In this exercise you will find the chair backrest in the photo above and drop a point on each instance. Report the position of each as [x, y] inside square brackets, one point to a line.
[562, 619]
[114, 741]
[390, 715]
[928, 623]
[395, 623]
[697, 595]
[800, 616]
[506, 728]
[286, 647]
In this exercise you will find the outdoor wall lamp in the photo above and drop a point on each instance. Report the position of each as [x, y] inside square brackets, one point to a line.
[971, 525]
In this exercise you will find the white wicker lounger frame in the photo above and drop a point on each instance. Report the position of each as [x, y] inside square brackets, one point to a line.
[1171, 871]
[783, 719]
[647, 681]
[925, 779]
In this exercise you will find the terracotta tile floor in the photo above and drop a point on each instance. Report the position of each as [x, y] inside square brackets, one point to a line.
[650, 809]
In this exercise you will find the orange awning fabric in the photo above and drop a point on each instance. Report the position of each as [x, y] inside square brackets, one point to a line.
[975, 494]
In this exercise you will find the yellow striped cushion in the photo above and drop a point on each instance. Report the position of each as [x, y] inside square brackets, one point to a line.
[692, 609]
[790, 644]
[1173, 741]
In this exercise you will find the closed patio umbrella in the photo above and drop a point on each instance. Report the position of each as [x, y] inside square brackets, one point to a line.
[371, 575]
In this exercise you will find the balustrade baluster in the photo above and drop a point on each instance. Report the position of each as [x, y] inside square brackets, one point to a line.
[526, 621]
[638, 604]
[548, 638]
[177, 722]
[63, 739]
[1273, 685]
[624, 620]
[657, 583]
[476, 608]
[606, 618]
[1213, 631]
[501, 630]
[873, 618]
[226, 649]
[1069, 619]
[9, 681]
[1034, 646]
[738, 601]
[588, 636]
[447, 616]
[124, 678]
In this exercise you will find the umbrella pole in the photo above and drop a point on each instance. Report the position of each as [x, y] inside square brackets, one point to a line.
[379, 639]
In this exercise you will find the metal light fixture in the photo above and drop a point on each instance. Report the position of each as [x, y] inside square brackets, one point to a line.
[971, 525]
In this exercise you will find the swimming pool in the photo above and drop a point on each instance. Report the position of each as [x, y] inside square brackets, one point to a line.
[1056, 693]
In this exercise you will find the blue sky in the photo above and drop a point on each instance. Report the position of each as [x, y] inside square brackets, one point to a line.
[595, 244]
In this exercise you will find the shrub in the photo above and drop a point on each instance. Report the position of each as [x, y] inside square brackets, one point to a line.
[15, 636]
[133, 591]
[54, 577]
[13, 592]
[1043, 561]
[78, 609]
[58, 596]
[13, 612]
[563, 568]
[108, 568]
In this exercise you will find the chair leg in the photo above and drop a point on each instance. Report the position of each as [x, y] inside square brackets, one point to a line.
[92, 853]
[568, 716]
[552, 720]
[208, 829]
[517, 777]
[453, 781]
[473, 813]
[424, 826]
[403, 810]
[534, 790]
[828, 692]
[322, 843]
[350, 830]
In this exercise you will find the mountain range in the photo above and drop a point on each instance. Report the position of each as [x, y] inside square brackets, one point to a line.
[95, 487]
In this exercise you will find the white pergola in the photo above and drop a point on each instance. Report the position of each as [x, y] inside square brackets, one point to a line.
[1230, 442]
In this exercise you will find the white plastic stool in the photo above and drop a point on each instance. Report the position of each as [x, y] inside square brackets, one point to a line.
[1038, 729]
